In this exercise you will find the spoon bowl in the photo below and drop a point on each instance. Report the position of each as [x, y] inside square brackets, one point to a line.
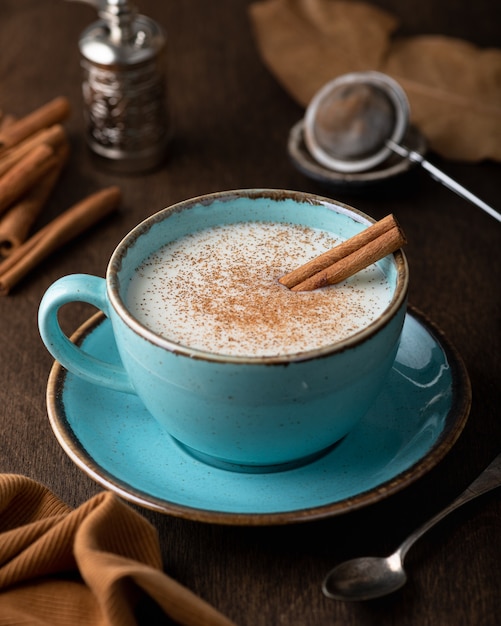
[365, 578]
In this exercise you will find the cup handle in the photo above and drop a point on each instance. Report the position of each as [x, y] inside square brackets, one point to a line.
[78, 288]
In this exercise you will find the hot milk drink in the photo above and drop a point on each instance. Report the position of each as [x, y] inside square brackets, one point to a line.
[217, 290]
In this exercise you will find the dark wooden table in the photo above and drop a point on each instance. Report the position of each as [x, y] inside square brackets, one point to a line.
[232, 121]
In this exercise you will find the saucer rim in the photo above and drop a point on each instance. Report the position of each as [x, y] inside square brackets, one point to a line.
[459, 410]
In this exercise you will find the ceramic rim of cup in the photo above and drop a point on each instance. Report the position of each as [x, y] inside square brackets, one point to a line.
[117, 302]
[390, 88]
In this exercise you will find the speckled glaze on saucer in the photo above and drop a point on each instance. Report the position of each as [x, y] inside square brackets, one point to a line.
[394, 165]
[415, 421]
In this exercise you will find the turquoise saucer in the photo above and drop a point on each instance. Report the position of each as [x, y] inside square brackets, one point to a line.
[413, 424]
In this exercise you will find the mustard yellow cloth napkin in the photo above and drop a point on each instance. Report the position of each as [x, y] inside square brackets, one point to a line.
[96, 565]
[454, 88]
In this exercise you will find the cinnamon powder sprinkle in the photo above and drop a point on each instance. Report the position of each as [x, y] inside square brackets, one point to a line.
[218, 290]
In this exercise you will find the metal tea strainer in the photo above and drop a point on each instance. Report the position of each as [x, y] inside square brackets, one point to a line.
[357, 120]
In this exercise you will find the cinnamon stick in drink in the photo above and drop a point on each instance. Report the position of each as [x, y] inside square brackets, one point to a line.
[362, 257]
[60, 231]
[49, 114]
[333, 255]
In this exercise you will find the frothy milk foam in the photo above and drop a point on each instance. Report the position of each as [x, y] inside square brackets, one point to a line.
[217, 290]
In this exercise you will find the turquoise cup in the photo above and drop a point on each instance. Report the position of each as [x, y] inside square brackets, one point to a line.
[241, 413]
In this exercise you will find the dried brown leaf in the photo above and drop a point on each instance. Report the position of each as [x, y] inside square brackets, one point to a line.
[454, 87]
[306, 43]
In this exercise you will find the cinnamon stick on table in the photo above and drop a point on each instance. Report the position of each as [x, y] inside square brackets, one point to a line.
[53, 136]
[5, 120]
[51, 113]
[24, 174]
[60, 231]
[348, 258]
[16, 222]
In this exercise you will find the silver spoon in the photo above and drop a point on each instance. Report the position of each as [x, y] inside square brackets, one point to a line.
[357, 120]
[371, 577]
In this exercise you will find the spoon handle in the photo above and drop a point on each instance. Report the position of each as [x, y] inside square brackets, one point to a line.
[443, 178]
[489, 479]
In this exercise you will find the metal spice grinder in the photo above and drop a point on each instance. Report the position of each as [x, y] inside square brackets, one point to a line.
[124, 90]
